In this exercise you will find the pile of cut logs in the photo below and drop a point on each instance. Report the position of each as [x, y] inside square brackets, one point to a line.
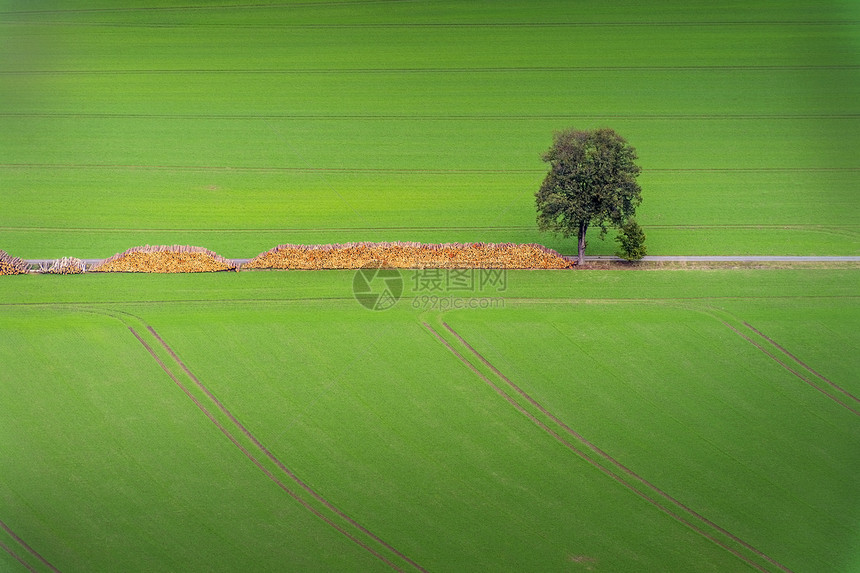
[165, 259]
[396, 255]
[410, 256]
[10, 265]
[64, 266]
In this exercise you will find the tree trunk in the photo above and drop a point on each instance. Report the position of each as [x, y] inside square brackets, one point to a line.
[583, 227]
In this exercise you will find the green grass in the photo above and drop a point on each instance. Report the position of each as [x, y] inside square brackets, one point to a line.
[208, 207]
[107, 468]
[239, 128]
[437, 463]
[421, 450]
[719, 286]
[757, 102]
[821, 332]
[713, 419]
[598, 92]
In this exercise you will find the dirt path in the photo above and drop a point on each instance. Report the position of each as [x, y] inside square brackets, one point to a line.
[35, 263]
[611, 474]
[730, 258]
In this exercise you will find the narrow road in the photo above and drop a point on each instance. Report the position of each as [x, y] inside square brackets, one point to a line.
[730, 258]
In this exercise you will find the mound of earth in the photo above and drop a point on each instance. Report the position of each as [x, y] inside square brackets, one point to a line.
[10, 265]
[165, 259]
[410, 256]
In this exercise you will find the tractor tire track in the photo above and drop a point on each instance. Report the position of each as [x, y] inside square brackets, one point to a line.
[428, 70]
[29, 567]
[530, 228]
[203, 8]
[799, 361]
[521, 300]
[264, 169]
[606, 471]
[273, 229]
[401, 170]
[29, 549]
[254, 460]
[423, 117]
[582, 439]
[268, 453]
[434, 25]
[792, 370]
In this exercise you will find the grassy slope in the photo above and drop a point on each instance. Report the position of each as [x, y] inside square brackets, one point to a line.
[264, 343]
[798, 111]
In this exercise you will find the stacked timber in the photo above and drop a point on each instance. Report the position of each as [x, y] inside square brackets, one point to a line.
[404, 255]
[64, 266]
[165, 259]
[10, 265]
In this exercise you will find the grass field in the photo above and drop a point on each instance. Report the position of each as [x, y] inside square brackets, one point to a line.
[653, 420]
[654, 414]
[238, 129]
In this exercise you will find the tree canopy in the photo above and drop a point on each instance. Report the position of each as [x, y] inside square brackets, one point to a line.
[591, 180]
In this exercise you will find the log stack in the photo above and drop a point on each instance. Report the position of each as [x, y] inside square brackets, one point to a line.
[165, 259]
[65, 266]
[403, 255]
[10, 265]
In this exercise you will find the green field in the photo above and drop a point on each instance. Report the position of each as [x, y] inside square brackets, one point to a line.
[615, 421]
[694, 443]
[239, 128]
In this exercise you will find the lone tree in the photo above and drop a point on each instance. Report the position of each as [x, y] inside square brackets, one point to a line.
[592, 179]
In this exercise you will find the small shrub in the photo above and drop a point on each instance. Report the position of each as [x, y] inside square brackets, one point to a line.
[631, 241]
